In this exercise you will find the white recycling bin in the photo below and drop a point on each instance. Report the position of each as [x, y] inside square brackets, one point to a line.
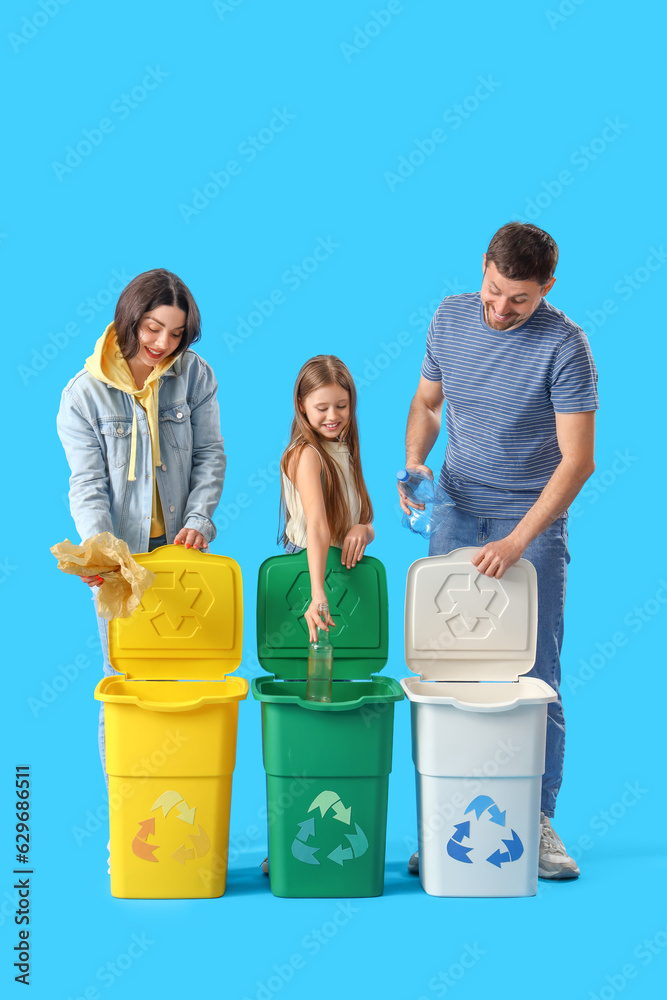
[478, 726]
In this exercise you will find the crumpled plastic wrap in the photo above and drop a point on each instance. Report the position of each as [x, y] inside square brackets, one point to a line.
[125, 581]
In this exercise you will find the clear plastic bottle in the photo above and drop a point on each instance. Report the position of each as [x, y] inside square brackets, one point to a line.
[320, 663]
[418, 487]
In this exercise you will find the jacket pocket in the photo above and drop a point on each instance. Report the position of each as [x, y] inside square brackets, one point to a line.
[175, 425]
[116, 432]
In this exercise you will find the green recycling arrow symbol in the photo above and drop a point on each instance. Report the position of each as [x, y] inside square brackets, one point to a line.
[358, 842]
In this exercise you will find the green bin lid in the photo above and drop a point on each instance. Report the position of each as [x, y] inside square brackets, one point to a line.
[357, 603]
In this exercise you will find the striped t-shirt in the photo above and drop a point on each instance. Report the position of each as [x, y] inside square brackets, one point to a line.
[503, 389]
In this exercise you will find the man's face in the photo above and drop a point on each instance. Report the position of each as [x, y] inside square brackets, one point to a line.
[509, 303]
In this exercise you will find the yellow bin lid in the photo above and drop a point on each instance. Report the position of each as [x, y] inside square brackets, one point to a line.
[189, 625]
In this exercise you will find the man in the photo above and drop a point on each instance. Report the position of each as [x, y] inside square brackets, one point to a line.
[521, 391]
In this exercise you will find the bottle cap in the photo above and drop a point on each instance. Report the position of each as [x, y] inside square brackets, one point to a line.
[403, 475]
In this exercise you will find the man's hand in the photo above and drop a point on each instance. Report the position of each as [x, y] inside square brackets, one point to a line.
[495, 558]
[408, 506]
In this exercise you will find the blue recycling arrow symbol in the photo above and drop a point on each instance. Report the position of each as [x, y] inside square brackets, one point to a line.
[481, 804]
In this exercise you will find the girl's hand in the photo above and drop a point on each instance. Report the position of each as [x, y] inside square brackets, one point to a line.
[191, 539]
[314, 621]
[354, 545]
[92, 581]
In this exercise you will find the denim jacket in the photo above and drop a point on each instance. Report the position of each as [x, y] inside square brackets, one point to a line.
[94, 425]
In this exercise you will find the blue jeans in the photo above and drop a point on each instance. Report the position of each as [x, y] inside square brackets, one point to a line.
[549, 555]
[103, 628]
[291, 548]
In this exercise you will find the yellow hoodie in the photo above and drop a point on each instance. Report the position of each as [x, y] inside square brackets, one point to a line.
[108, 365]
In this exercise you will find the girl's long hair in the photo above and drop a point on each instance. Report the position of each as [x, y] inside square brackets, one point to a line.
[326, 369]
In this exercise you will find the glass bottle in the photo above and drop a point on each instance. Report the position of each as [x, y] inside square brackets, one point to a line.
[320, 663]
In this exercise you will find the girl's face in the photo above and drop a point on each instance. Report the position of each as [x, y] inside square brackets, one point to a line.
[327, 410]
[160, 332]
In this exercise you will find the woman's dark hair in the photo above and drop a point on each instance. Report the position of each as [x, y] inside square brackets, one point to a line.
[522, 252]
[148, 291]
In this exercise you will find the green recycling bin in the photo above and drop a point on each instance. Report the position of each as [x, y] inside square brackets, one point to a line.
[327, 764]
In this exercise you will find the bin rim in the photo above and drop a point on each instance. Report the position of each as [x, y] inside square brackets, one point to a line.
[394, 694]
[516, 697]
[238, 691]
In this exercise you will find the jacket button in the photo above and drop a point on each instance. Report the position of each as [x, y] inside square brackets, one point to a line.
[164, 468]
[172, 508]
[179, 415]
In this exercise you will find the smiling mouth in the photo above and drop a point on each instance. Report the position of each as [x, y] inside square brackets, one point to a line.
[153, 354]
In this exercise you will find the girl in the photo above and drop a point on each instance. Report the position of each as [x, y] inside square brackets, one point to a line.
[324, 499]
[141, 429]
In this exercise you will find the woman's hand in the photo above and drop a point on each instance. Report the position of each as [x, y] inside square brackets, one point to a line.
[354, 545]
[191, 539]
[314, 621]
[92, 581]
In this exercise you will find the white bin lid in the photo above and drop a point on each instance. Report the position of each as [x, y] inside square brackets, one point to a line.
[463, 626]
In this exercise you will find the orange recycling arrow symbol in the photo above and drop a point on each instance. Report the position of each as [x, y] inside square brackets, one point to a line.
[140, 845]
[201, 846]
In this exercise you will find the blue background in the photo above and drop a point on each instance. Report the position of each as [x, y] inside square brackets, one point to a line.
[359, 95]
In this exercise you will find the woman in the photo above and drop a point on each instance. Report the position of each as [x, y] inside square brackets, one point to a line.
[141, 429]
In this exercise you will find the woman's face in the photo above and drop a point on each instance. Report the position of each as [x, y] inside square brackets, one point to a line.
[160, 332]
[327, 410]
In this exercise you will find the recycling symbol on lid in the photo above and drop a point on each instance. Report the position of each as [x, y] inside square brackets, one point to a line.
[177, 603]
[332, 810]
[483, 805]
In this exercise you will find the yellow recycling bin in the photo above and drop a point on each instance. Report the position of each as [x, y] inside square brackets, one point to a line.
[170, 722]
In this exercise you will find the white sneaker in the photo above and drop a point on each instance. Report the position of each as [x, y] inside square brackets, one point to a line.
[413, 863]
[555, 862]
[265, 866]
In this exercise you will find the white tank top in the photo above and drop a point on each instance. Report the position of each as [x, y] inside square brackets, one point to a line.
[295, 527]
